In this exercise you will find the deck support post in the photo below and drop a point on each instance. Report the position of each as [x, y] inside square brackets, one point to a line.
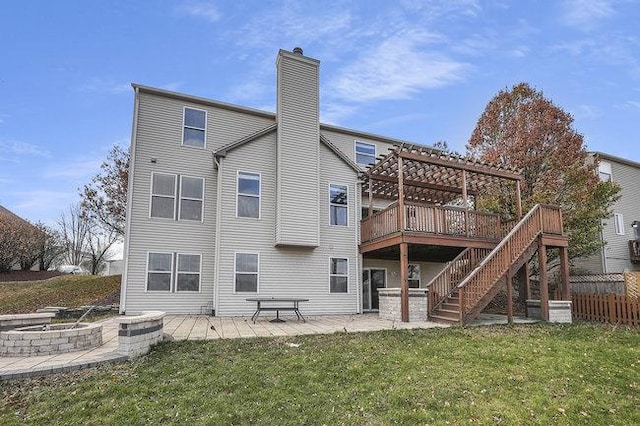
[544, 284]
[404, 282]
[401, 213]
[564, 272]
[510, 299]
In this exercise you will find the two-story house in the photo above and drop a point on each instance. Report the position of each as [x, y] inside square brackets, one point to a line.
[227, 203]
[621, 232]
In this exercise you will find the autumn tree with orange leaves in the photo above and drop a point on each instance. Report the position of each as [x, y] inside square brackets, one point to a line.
[523, 129]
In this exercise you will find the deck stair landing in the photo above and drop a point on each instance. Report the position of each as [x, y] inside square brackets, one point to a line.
[468, 283]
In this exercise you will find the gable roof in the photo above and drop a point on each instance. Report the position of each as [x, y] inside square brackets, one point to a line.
[222, 152]
[605, 156]
[8, 212]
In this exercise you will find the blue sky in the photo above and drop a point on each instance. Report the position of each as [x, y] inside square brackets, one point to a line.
[416, 70]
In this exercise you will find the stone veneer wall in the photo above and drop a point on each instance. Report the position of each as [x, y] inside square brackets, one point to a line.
[390, 304]
[559, 310]
[138, 333]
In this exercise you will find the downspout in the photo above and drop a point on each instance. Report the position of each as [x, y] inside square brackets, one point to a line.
[604, 247]
[127, 230]
[216, 255]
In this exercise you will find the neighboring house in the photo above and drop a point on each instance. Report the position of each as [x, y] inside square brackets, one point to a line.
[620, 232]
[8, 213]
[227, 202]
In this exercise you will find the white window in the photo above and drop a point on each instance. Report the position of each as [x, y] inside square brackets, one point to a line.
[365, 153]
[163, 195]
[191, 197]
[338, 204]
[188, 272]
[194, 127]
[604, 171]
[248, 195]
[338, 275]
[246, 272]
[618, 223]
[414, 276]
[159, 271]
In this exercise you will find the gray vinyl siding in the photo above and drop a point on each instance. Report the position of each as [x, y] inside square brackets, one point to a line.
[428, 270]
[159, 136]
[346, 143]
[297, 151]
[284, 271]
[617, 258]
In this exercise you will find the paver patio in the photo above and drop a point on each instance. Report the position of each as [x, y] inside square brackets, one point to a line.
[198, 327]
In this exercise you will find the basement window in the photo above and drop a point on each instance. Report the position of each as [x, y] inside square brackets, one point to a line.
[338, 275]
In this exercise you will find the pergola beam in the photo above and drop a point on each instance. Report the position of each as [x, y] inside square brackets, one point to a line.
[419, 184]
[452, 164]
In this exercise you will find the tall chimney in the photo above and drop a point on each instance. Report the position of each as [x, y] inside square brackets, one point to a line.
[298, 150]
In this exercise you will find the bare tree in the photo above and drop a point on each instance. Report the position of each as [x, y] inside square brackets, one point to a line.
[52, 247]
[99, 242]
[74, 229]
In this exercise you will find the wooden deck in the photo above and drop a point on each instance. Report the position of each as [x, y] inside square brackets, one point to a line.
[430, 225]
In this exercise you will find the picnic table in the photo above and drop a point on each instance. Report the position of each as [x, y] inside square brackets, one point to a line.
[277, 304]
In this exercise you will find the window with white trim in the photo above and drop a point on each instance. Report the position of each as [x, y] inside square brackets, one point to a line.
[604, 171]
[191, 198]
[338, 205]
[365, 153]
[194, 127]
[338, 275]
[188, 272]
[159, 271]
[163, 195]
[246, 270]
[618, 223]
[248, 195]
[414, 276]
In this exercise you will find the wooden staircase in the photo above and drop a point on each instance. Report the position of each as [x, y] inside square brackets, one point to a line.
[468, 283]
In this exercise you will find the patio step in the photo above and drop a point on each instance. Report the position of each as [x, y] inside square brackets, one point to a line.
[443, 320]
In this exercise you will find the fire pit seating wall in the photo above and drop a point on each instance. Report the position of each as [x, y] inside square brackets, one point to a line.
[10, 322]
[50, 339]
[136, 334]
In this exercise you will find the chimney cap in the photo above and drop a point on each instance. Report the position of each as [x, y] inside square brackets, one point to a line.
[298, 51]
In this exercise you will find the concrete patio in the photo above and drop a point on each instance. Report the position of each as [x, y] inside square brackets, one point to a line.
[198, 327]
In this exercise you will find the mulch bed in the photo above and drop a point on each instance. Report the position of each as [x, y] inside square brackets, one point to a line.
[27, 275]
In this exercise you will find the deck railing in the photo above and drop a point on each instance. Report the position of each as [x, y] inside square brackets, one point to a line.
[541, 218]
[432, 219]
[443, 284]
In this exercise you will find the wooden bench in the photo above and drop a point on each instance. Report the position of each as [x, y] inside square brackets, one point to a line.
[277, 304]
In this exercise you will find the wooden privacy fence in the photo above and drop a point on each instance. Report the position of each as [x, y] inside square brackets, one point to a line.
[609, 308]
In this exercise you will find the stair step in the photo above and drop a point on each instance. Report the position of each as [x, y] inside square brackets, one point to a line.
[450, 306]
[444, 320]
[454, 315]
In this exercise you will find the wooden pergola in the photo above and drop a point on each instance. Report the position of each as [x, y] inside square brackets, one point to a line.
[426, 182]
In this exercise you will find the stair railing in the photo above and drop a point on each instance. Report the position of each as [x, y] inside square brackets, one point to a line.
[491, 269]
[447, 280]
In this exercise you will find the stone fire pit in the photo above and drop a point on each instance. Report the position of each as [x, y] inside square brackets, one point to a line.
[50, 339]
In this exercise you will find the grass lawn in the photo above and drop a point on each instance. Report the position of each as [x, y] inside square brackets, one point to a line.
[540, 374]
[66, 290]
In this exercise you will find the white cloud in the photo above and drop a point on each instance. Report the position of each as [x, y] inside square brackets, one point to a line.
[587, 112]
[75, 169]
[633, 104]
[586, 13]
[204, 10]
[10, 150]
[105, 85]
[38, 198]
[172, 86]
[334, 113]
[397, 68]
